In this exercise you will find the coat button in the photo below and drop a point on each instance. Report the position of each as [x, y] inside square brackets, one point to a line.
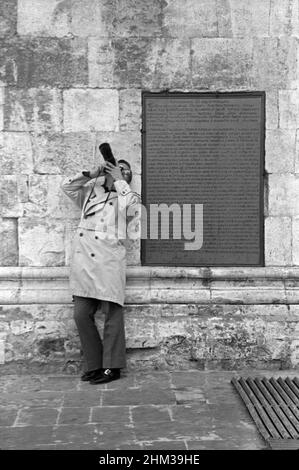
[96, 237]
[111, 203]
[91, 254]
[81, 234]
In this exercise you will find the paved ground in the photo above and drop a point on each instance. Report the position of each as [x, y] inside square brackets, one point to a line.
[155, 410]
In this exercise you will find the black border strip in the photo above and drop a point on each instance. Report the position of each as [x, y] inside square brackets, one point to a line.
[216, 94]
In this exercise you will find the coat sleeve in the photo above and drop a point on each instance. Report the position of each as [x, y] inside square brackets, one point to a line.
[74, 188]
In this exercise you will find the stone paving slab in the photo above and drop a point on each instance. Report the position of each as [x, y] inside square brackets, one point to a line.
[151, 410]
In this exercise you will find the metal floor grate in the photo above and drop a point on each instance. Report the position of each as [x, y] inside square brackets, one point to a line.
[274, 406]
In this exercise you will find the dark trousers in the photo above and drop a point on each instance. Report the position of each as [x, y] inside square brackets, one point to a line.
[109, 353]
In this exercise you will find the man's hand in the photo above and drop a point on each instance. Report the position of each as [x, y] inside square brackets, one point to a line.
[98, 171]
[114, 171]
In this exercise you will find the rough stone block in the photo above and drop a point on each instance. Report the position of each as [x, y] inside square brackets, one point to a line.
[92, 18]
[40, 18]
[41, 242]
[289, 109]
[8, 17]
[36, 110]
[13, 192]
[250, 18]
[274, 63]
[101, 57]
[278, 241]
[1, 108]
[44, 62]
[221, 63]
[8, 242]
[191, 18]
[47, 200]
[121, 18]
[64, 153]
[133, 253]
[295, 244]
[86, 110]
[139, 62]
[137, 18]
[126, 145]
[271, 109]
[283, 194]
[280, 151]
[1, 118]
[16, 153]
[297, 153]
[284, 18]
[130, 109]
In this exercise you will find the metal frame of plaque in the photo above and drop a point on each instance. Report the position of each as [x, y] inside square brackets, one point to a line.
[233, 205]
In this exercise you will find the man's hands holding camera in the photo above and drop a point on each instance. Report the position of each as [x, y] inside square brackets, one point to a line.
[106, 169]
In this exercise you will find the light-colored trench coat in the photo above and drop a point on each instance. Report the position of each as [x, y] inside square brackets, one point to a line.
[98, 257]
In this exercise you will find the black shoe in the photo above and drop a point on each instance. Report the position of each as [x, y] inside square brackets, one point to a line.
[106, 376]
[91, 374]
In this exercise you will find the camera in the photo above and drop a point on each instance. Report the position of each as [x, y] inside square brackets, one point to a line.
[106, 151]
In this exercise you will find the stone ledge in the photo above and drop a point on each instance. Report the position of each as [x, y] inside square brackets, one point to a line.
[246, 285]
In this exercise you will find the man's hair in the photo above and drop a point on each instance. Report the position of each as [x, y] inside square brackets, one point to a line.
[125, 161]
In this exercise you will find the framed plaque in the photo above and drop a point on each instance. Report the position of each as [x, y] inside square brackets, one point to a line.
[202, 179]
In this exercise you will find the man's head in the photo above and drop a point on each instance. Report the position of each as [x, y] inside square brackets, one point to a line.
[126, 171]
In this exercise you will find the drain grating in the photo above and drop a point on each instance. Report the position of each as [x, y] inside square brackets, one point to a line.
[274, 406]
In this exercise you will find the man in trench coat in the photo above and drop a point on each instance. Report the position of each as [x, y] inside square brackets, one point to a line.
[98, 264]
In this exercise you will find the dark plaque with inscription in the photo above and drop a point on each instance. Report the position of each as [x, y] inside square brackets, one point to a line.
[202, 181]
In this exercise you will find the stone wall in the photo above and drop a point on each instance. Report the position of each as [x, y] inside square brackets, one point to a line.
[71, 76]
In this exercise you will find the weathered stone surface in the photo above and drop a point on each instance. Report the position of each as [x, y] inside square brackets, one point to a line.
[289, 109]
[64, 153]
[47, 200]
[119, 18]
[74, 416]
[41, 242]
[274, 63]
[284, 18]
[221, 63]
[99, 23]
[271, 109]
[37, 416]
[101, 58]
[52, 62]
[8, 242]
[278, 241]
[143, 62]
[36, 109]
[40, 18]
[8, 17]
[250, 18]
[1, 108]
[116, 414]
[280, 151]
[136, 18]
[295, 244]
[283, 194]
[130, 109]
[13, 192]
[87, 110]
[191, 18]
[16, 153]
